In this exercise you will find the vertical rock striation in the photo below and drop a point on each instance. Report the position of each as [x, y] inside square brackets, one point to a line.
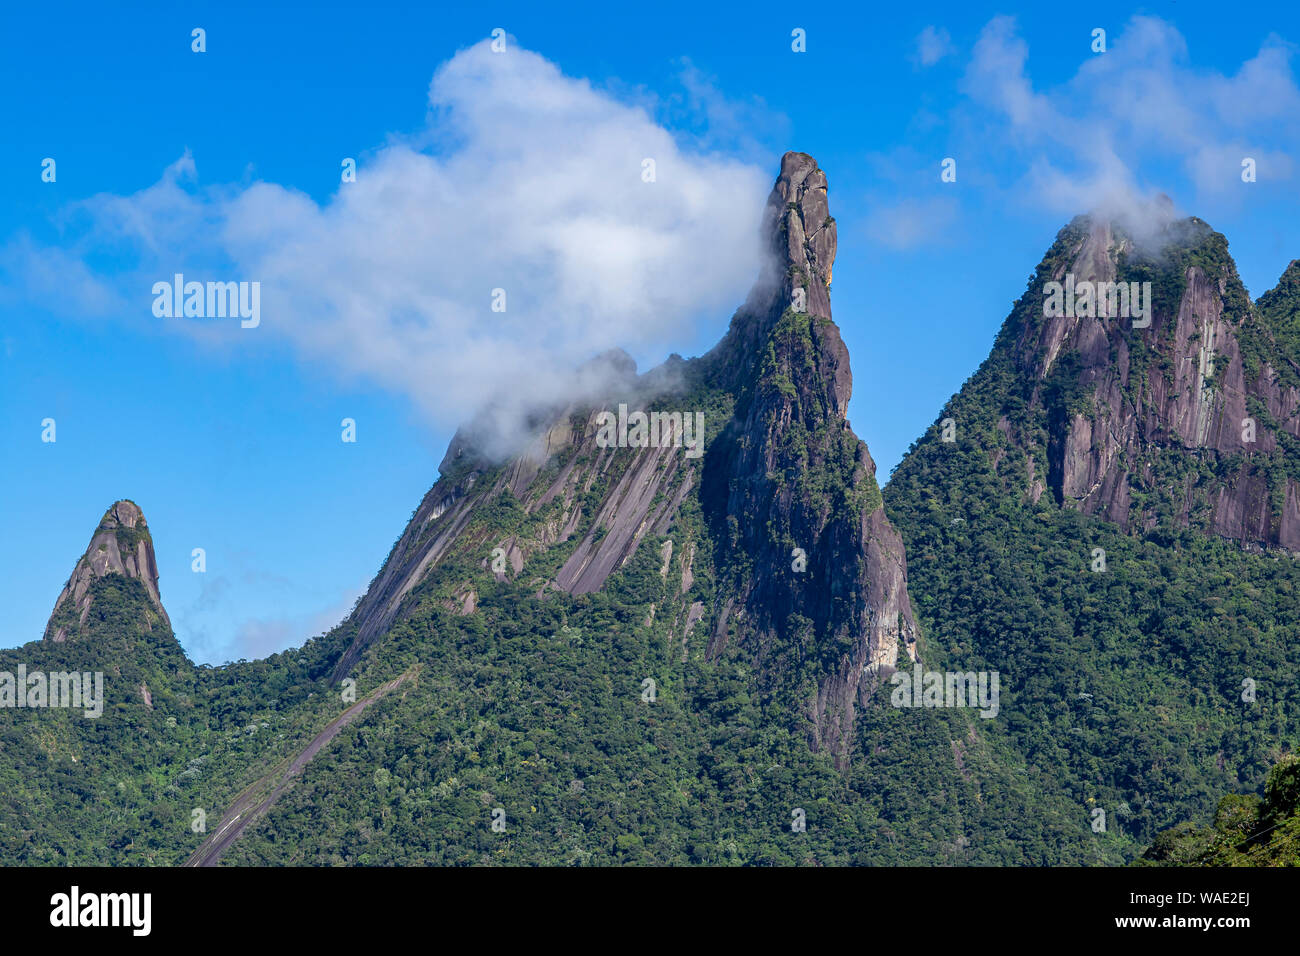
[812, 581]
[1190, 413]
[122, 545]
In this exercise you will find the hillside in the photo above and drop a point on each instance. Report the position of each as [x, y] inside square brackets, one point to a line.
[1247, 830]
[1100, 533]
[116, 780]
[652, 653]
[675, 628]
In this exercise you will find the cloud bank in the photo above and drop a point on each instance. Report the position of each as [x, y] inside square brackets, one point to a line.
[579, 218]
[1086, 142]
[1131, 123]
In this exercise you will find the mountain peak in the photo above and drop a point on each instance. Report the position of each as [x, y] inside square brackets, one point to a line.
[1288, 284]
[1140, 360]
[799, 238]
[125, 513]
[773, 501]
[122, 545]
[1149, 222]
[801, 234]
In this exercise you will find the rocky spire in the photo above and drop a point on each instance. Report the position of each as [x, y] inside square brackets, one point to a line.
[798, 236]
[813, 539]
[121, 545]
[812, 578]
[801, 233]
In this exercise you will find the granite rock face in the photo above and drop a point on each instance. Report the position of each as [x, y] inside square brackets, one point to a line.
[120, 545]
[824, 573]
[803, 234]
[812, 578]
[1206, 380]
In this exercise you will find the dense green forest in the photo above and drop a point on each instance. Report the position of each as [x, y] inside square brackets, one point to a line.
[122, 787]
[1247, 830]
[1144, 673]
[538, 707]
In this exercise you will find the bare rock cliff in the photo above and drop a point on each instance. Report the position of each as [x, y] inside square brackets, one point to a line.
[812, 579]
[1207, 380]
[823, 580]
[120, 545]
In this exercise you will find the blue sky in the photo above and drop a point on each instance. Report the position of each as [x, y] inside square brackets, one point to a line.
[227, 162]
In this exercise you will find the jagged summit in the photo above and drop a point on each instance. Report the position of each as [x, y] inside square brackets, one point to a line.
[807, 578]
[1146, 383]
[801, 232]
[122, 545]
[800, 239]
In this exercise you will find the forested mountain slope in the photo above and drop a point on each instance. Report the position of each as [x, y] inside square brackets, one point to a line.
[673, 629]
[1111, 525]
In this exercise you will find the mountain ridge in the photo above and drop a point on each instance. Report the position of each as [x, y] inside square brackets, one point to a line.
[780, 382]
[634, 654]
[1204, 380]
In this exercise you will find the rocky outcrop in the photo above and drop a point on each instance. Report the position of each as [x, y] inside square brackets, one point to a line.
[121, 545]
[814, 580]
[556, 472]
[803, 234]
[1203, 379]
[823, 576]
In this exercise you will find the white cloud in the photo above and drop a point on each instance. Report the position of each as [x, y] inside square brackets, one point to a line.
[932, 45]
[747, 127]
[913, 222]
[525, 180]
[996, 78]
[219, 605]
[1088, 143]
[258, 638]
